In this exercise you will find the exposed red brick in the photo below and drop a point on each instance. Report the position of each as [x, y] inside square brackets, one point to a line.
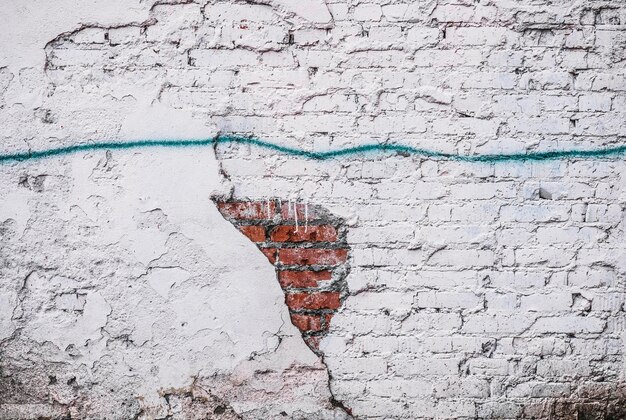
[247, 210]
[270, 253]
[327, 318]
[302, 278]
[311, 310]
[315, 233]
[255, 233]
[307, 322]
[303, 213]
[311, 256]
[315, 300]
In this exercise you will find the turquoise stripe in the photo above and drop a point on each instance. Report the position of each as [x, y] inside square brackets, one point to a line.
[348, 151]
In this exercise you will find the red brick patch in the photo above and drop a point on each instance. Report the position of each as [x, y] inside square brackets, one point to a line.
[319, 296]
[327, 318]
[312, 256]
[270, 253]
[302, 278]
[315, 233]
[247, 210]
[303, 211]
[307, 322]
[254, 233]
[313, 300]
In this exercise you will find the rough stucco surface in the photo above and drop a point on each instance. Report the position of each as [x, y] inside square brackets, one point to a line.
[475, 290]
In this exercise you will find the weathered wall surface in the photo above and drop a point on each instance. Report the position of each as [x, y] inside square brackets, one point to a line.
[473, 290]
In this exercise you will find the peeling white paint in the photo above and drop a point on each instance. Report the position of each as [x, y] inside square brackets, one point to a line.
[29, 25]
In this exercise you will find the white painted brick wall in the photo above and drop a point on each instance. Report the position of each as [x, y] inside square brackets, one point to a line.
[477, 290]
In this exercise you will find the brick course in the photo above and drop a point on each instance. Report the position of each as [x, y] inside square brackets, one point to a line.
[321, 233]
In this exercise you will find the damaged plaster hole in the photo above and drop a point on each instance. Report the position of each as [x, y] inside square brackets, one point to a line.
[307, 246]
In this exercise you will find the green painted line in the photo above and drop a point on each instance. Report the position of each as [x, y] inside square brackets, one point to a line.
[331, 154]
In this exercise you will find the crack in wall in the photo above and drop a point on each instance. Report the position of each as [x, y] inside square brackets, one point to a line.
[307, 246]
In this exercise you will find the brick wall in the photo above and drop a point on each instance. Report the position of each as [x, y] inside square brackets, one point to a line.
[475, 290]
[307, 246]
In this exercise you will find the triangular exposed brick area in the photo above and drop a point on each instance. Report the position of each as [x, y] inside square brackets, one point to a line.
[307, 246]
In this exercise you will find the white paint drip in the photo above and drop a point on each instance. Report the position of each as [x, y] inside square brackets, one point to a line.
[306, 215]
[295, 214]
